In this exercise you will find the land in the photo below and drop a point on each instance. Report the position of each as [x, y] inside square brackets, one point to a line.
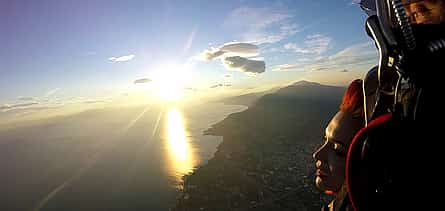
[265, 160]
[246, 99]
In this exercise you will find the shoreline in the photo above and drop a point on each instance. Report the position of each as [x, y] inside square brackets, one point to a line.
[264, 161]
[248, 178]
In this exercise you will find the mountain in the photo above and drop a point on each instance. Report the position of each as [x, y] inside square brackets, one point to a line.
[310, 90]
[265, 160]
[305, 83]
[247, 99]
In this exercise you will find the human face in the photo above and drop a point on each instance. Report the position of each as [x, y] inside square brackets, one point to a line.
[425, 11]
[331, 156]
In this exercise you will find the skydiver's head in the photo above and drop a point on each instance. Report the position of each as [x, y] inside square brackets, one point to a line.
[425, 11]
[392, 13]
[331, 156]
[415, 28]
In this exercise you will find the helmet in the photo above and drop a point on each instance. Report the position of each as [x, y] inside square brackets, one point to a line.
[402, 17]
[410, 37]
[408, 31]
[425, 11]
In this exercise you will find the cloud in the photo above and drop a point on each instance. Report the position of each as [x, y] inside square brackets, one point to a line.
[321, 69]
[345, 59]
[51, 92]
[14, 114]
[287, 67]
[241, 49]
[26, 98]
[313, 44]
[142, 81]
[216, 86]
[191, 37]
[233, 57]
[356, 54]
[244, 65]
[93, 101]
[6, 107]
[122, 58]
[190, 89]
[232, 48]
[209, 55]
[262, 25]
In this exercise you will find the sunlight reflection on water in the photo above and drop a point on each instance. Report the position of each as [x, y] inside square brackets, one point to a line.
[180, 152]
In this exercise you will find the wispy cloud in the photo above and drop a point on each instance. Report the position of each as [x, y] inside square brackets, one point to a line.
[345, 59]
[122, 58]
[94, 101]
[190, 89]
[232, 48]
[287, 67]
[262, 25]
[244, 65]
[26, 98]
[216, 86]
[313, 44]
[6, 107]
[51, 92]
[190, 38]
[356, 54]
[142, 81]
[321, 69]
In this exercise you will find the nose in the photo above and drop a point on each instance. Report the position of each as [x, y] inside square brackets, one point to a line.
[318, 154]
[315, 154]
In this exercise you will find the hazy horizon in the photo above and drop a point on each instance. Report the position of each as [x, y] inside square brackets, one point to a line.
[140, 147]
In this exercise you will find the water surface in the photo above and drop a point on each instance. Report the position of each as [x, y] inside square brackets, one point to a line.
[106, 159]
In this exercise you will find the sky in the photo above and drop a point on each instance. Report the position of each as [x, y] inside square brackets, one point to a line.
[56, 53]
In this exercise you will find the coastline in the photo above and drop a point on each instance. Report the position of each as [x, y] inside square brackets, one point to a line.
[242, 176]
[264, 161]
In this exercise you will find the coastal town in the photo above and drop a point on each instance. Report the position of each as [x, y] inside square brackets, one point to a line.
[257, 167]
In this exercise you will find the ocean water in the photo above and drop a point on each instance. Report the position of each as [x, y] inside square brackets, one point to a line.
[107, 159]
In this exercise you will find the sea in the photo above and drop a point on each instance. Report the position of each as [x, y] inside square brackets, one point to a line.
[126, 158]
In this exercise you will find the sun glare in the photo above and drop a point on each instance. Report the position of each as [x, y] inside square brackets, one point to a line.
[170, 80]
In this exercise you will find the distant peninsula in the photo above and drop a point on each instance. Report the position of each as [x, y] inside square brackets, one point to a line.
[264, 161]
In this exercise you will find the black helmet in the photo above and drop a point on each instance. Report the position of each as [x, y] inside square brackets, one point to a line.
[400, 18]
[407, 31]
[384, 162]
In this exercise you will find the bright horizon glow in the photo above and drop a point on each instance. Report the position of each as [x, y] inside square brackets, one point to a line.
[169, 81]
[163, 43]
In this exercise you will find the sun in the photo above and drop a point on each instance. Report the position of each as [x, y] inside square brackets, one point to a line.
[170, 93]
[170, 80]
